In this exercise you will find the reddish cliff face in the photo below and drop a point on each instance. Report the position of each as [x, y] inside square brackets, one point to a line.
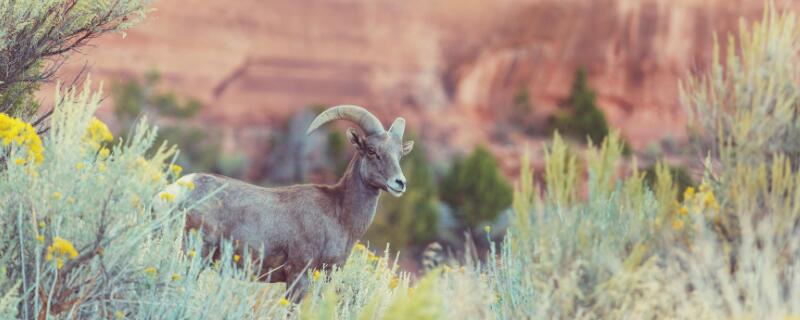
[451, 67]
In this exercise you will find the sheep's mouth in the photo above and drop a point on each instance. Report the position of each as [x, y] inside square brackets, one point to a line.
[394, 192]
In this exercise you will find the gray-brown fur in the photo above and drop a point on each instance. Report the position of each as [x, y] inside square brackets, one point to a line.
[304, 225]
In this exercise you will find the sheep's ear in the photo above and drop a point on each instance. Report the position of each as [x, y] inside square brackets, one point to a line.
[355, 138]
[407, 146]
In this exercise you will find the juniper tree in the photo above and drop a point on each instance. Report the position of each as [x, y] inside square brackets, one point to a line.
[582, 118]
[476, 189]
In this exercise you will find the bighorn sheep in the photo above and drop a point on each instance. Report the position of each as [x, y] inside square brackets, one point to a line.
[304, 225]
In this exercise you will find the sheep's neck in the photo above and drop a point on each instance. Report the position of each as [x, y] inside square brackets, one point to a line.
[358, 200]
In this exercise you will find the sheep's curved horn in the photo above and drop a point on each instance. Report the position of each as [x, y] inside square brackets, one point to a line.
[398, 127]
[358, 115]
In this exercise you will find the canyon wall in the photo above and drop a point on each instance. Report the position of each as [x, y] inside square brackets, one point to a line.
[451, 67]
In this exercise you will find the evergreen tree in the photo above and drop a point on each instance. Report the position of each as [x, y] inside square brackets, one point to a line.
[476, 189]
[521, 110]
[583, 118]
[680, 176]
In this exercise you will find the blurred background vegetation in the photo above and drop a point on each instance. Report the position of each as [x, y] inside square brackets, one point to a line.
[176, 117]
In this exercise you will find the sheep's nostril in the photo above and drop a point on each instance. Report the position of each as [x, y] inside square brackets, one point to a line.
[401, 184]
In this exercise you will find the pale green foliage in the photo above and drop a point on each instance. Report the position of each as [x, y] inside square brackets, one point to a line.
[618, 253]
[9, 300]
[561, 251]
[424, 304]
[370, 287]
[561, 171]
[746, 105]
[36, 35]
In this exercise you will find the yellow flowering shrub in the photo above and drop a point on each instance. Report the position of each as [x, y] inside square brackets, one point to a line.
[60, 250]
[22, 134]
[176, 169]
[97, 133]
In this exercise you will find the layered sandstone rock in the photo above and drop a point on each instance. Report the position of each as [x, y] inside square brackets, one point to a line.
[451, 67]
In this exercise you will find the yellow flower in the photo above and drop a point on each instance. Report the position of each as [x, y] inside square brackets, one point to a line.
[677, 224]
[176, 277]
[21, 133]
[188, 184]
[191, 253]
[60, 249]
[359, 247]
[236, 258]
[487, 228]
[119, 315]
[372, 257]
[79, 166]
[176, 169]
[104, 153]
[97, 133]
[20, 161]
[140, 161]
[709, 201]
[394, 282]
[70, 200]
[166, 196]
[283, 302]
[315, 276]
[155, 177]
[101, 167]
[688, 194]
[151, 271]
[40, 238]
[41, 224]
[57, 195]
[683, 211]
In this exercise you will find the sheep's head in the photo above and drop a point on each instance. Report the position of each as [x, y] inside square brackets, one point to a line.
[378, 149]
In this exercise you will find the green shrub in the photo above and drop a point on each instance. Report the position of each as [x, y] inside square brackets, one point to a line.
[745, 106]
[337, 146]
[521, 110]
[680, 177]
[410, 220]
[200, 150]
[37, 36]
[476, 189]
[582, 118]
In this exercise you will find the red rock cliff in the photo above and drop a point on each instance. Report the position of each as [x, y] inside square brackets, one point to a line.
[450, 66]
